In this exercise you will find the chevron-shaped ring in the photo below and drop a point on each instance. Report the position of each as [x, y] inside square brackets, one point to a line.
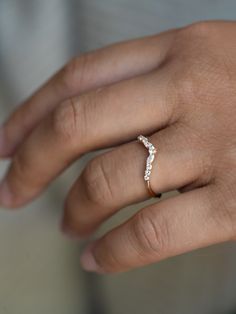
[152, 151]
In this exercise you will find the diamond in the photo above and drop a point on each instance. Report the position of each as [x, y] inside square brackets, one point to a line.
[150, 158]
[152, 150]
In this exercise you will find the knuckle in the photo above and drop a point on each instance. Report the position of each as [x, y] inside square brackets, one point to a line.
[64, 120]
[200, 28]
[97, 182]
[184, 83]
[75, 72]
[198, 160]
[191, 81]
[194, 64]
[185, 88]
[151, 236]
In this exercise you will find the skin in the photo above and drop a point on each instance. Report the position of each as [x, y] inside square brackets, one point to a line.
[179, 89]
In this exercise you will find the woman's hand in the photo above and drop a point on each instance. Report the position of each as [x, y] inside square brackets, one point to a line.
[179, 88]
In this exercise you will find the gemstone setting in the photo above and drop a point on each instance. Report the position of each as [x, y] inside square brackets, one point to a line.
[152, 151]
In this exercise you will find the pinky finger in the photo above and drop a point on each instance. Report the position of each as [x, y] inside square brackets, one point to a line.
[171, 227]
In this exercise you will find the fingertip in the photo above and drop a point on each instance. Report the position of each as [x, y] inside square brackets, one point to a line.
[88, 261]
[6, 150]
[6, 197]
[2, 142]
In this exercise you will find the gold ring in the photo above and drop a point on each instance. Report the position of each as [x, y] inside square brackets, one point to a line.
[152, 151]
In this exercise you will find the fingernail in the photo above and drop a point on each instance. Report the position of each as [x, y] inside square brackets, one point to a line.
[88, 261]
[5, 194]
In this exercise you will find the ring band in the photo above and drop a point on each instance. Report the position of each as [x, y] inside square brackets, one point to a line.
[152, 151]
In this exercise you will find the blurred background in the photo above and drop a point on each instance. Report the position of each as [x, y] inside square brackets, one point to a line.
[39, 267]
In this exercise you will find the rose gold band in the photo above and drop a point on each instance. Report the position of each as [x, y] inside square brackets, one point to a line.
[152, 151]
[150, 190]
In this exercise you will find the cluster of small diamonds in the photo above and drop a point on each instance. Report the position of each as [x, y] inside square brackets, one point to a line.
[152, 151]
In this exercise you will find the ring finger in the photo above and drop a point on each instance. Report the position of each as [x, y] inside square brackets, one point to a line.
[115, 179]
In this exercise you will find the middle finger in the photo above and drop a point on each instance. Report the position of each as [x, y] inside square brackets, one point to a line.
[95, 120]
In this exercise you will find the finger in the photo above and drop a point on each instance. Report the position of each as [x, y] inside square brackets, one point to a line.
[180, 224]
[114, 180]
[89, 71]
[92, 121]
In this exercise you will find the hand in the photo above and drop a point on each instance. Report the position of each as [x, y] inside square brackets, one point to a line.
[178, 88]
